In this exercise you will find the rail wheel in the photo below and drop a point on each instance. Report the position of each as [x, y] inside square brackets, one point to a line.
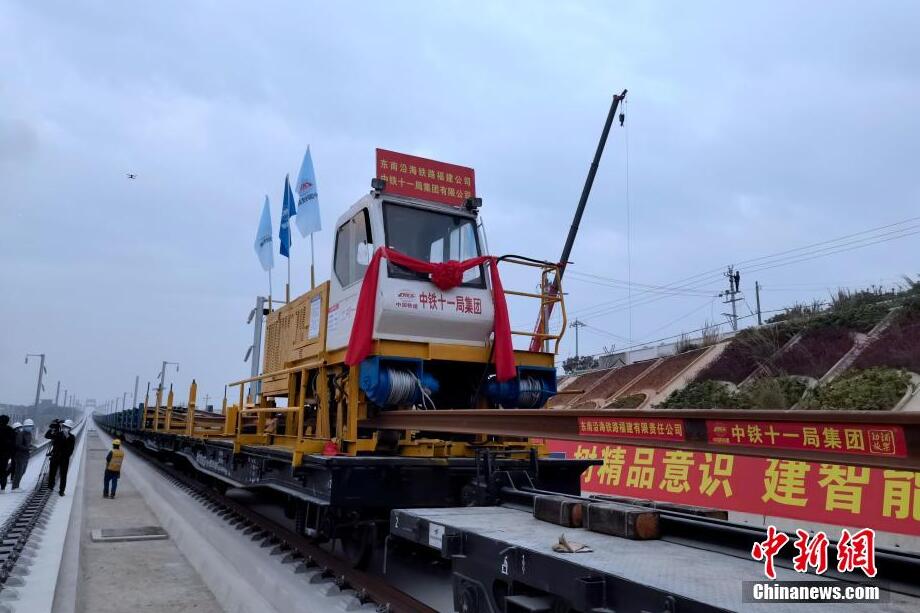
[358, 545]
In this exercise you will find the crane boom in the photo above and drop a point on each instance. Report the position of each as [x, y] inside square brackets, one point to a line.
[547, 310]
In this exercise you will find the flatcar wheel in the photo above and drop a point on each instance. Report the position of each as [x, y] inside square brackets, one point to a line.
[357, 545]
[469, 599]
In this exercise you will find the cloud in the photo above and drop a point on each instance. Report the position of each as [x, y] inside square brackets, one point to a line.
[752, 129]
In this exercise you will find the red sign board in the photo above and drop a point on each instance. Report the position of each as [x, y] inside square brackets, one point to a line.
[838, 438]
[408, 175]
[632, 427]
[859, 497]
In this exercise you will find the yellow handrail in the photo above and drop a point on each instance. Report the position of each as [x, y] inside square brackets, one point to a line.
[545, 297]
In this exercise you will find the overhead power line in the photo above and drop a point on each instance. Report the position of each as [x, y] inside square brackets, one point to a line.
[902, 229]
[585, 277]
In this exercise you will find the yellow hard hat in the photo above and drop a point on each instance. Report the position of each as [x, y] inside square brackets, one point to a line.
[116, 442]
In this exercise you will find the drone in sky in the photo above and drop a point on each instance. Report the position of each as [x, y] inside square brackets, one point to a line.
[131, 175]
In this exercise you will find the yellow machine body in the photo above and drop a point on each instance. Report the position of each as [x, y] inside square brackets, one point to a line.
[311, 402]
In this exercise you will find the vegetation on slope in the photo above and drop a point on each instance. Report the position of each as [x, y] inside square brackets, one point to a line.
[897, 347]
[766, 393]
[751, 348]
[815, 353]
[873, 389]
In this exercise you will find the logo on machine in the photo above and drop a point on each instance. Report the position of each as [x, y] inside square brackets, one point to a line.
[406, 299]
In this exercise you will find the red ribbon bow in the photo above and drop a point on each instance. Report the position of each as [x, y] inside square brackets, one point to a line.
[445, 276]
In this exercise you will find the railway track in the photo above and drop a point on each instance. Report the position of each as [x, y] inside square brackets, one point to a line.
[16, 530]
[294, 548]
[15, 533]
[686, 529]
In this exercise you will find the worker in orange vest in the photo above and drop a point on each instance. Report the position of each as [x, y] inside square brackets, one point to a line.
[113, 468]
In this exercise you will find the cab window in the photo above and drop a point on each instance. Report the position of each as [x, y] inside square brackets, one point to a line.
[432, 236]
[357, 230]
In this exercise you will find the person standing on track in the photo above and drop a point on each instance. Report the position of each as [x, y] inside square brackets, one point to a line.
[7, 446]
[22, 450]
[112, 469]
[62, 444]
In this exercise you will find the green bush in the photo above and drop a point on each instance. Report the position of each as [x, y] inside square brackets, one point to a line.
[873, 389]
[860, 316]
[765, 393]
[774, 392]
[703, 395]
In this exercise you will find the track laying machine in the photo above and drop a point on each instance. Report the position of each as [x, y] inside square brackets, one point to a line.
[414, 317]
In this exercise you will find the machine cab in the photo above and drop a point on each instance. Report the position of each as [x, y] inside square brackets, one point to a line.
[409, 307]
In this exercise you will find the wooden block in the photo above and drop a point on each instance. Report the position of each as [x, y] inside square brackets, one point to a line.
[558, 510]
[627, 521]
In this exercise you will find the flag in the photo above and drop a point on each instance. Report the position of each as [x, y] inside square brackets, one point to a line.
[263, 244]
[307, 199]
[287, 211]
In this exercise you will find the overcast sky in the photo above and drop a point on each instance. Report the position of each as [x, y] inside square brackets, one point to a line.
[752, 130]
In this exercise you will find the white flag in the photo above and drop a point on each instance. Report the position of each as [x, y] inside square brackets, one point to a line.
[263, 244]
[307, 217]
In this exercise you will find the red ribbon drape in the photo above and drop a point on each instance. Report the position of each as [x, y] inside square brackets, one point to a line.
[446, 276]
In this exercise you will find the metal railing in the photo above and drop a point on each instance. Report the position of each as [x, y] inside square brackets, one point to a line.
[548, 299]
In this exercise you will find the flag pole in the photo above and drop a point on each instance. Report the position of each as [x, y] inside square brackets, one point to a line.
[312, 275]
[269, 290]
[287, 286]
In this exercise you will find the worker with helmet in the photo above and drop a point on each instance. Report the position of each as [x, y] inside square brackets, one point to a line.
[7, 446]
[62, 444]
[22, 449]
[112, 469]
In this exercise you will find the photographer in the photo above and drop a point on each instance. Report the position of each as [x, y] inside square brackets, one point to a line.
[62, 444]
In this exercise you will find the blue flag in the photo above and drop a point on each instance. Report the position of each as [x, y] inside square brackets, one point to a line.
[263, 244]
[287, 211]
[307, 199]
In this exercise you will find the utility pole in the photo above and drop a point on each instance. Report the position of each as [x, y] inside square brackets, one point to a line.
[757, 295]
[137, 379]
[577, 324]
[41, 373]
[124, 399]
[254, 353]
[57, 393]
[163, 376]
[734, 281]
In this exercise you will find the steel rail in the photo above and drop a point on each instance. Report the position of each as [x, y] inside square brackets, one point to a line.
[17, 529]
[15, 532]
[295, 547]
[695, 430]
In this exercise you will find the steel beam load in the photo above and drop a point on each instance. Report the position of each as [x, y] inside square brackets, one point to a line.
[861, 438]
